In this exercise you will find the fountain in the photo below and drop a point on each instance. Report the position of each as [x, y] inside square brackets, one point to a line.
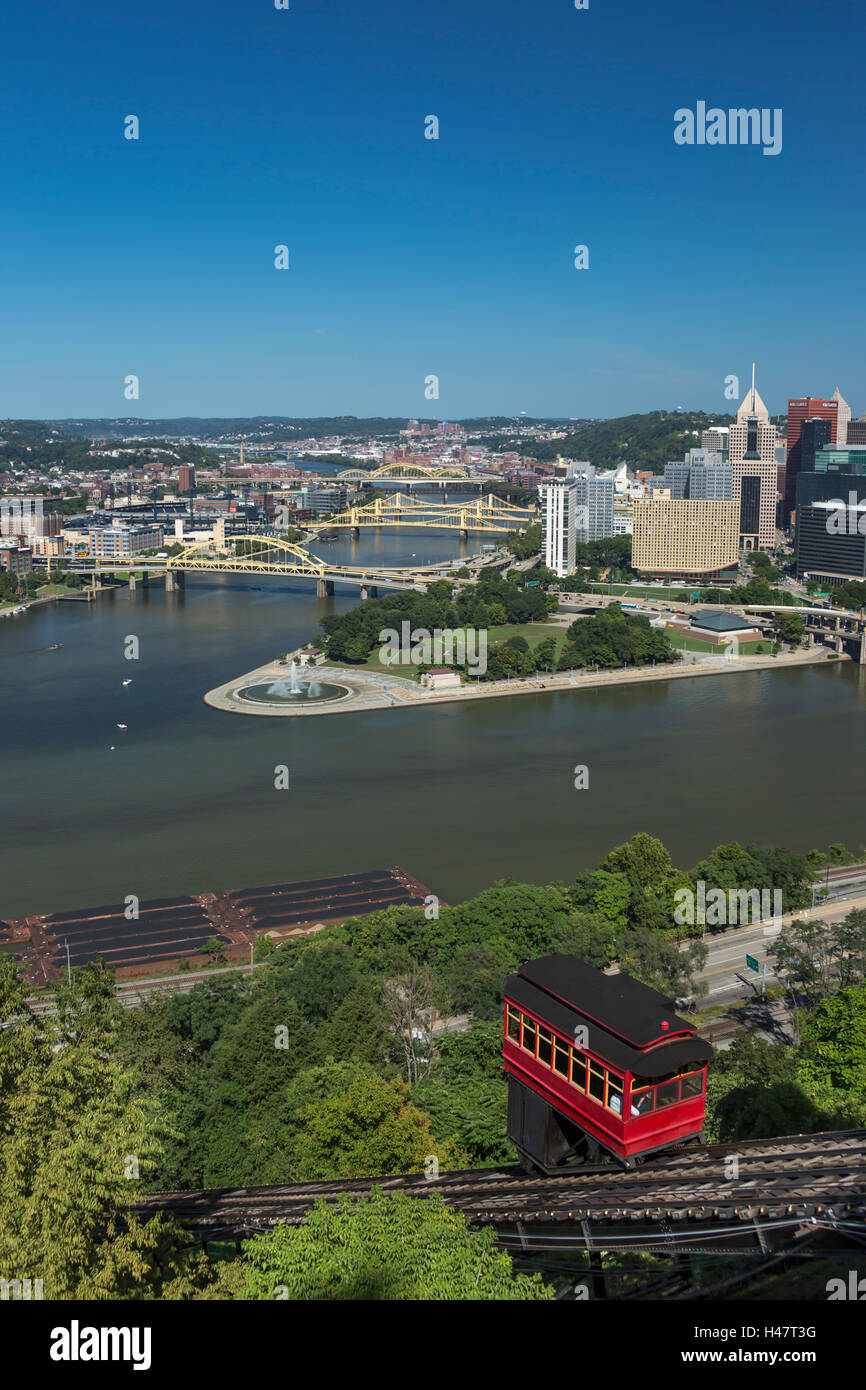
[286, 688]
[291, 689]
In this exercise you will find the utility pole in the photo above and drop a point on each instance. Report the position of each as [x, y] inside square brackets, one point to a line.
[68, 966]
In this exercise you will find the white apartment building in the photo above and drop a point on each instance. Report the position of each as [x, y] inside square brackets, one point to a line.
[558, 498]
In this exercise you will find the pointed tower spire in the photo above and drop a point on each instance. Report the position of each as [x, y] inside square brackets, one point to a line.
[753, 407]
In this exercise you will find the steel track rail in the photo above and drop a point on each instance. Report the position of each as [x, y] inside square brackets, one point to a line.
[783, 1180]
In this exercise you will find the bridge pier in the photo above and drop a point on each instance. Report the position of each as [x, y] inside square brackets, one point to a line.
[133, 581]
[324, 588]
[355, 532]
[862, 657]
[169, 581]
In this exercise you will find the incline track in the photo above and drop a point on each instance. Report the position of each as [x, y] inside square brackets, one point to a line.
[817, 1178]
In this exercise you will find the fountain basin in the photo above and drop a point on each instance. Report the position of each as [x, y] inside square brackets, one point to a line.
[280, 693]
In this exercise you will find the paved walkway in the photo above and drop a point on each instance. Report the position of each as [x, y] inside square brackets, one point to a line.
[375, 690]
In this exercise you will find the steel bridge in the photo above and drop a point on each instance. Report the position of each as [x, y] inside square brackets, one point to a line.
[786, 1193]
[266, 555]
[412, 473]
[487, 513]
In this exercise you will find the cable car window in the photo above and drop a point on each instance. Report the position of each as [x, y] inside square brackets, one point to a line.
[560, 1057]
[693, 1085]
[643, 1101]
[578, 1070]
[529, 1035]
[614, 1093]
[668, 1094]
[545, 1046]
[513, 1024]
[596, 1081]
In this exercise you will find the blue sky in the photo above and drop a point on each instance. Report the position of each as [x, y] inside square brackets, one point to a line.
[411, 257]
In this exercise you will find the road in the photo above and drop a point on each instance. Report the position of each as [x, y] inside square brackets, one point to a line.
[726, 972]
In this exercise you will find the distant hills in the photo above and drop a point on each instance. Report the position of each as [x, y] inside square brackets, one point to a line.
[641, 441]
[268, 427]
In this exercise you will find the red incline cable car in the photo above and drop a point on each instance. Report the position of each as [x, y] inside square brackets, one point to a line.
[597, 1065]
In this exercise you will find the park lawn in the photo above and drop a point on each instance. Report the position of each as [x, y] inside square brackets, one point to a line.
[533, 632]
[48, 589]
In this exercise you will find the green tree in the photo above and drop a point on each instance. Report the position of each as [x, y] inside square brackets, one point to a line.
[466, 1094]
[791, 627]
[384, 1247]
[356, 1029]
[318, 975]
[72, 1139]
[753, 1092]
[832, 1060]
[663, 966]
[368, 1128]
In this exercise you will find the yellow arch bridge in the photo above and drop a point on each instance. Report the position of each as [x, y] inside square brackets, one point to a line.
[265, 555]
[486, 513]
[409, 473]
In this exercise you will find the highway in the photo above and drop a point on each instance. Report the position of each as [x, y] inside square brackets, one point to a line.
[726, 973]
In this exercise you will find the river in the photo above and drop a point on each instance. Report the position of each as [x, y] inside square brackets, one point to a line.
[459, 795]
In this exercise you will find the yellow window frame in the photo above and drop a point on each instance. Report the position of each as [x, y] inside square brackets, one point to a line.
[561, 1048]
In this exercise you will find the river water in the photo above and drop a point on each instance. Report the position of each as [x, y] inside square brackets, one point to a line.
[459, 795]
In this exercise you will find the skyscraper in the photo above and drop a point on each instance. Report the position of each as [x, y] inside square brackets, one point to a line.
[752, 456]
[710, 477]
[857, 431]
[716, 439]
[800, 410]
[558, 498]
[595, 491]
[703, 475]
[815, 433]
[843, 417]
[679, 539]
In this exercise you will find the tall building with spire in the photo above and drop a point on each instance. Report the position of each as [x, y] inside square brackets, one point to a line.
[843, 417]
[752, 456]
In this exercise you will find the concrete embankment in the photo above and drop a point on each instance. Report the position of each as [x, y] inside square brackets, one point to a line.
[373, 690]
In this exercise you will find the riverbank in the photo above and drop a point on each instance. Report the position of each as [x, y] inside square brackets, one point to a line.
[368, 690]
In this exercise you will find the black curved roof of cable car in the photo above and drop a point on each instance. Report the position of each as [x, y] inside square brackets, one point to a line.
[625, 1018]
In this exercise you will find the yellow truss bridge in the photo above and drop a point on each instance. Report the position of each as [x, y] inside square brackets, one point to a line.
[256, 554]
[271, 555]
[484, 514]
[407, 472]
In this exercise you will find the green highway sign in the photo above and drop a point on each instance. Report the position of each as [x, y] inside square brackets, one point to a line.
[752, 964]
